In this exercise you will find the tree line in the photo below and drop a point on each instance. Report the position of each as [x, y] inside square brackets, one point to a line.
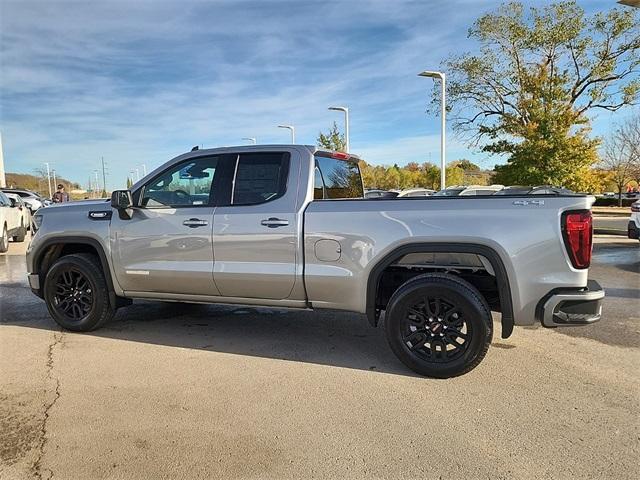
[527, 95]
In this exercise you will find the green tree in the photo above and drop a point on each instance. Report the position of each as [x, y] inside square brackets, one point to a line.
[538, 74]
[465, 165]
[333, 140]
[129, 183]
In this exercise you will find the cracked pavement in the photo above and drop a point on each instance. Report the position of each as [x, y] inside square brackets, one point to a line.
[188, 391]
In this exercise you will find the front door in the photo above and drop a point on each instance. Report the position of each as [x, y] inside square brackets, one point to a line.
[167, 246]
[256, 232]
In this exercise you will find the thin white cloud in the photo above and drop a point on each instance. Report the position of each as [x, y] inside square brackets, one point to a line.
[139, 82]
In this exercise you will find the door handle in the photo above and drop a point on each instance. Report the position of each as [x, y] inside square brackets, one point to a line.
[273, 222]
[195, 223]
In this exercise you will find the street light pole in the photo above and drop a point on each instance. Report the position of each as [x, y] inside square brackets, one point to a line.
[96, 186]
[293, 131]
[443, 114]
[251, 139]
[346, 125]
[48, 178]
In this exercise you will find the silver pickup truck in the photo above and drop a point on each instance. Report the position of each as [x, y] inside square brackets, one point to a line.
[287, 226]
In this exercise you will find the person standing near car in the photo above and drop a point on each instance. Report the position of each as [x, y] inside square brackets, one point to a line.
[60, 196]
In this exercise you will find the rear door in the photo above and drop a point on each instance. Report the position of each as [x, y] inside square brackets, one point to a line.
[256, 233]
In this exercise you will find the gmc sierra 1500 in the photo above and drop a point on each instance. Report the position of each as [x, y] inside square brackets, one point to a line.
[287, 226]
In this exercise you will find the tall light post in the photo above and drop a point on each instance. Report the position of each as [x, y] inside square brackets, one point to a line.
[55, 180]
[293, 131]
[443, 114]
[251, 139]
[3, 179]
[48, 178]
[346, 124]
[96, 187]
[144, 170]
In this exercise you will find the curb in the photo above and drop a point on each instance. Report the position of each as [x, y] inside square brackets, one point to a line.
[609, 231]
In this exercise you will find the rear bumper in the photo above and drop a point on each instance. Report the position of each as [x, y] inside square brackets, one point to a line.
[633, 231]
[572, 307]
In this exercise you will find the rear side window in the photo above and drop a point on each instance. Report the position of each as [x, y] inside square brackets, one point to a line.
[260, 177]
[341, 178]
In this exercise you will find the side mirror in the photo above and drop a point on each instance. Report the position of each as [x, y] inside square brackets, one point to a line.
[13, 202]
[122, 201]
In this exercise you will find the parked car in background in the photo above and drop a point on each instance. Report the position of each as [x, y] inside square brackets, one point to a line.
[379, 194]
[633, 230]
[416, 192]
[24, 212]
[32, 200]
[632, 195]
[11, 225]
[452, 191]
[481, 190]
[469, 190]
[539, 190]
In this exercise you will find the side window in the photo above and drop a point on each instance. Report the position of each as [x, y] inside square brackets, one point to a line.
[187, 184]
[341, 178]
[3, 200]
[318, 184]
[259, 178]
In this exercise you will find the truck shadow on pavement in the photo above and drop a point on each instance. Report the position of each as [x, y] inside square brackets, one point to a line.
[338, 339]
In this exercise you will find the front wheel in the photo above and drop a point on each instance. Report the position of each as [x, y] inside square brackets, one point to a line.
[75, 291]
[438, 325]
[22, 233]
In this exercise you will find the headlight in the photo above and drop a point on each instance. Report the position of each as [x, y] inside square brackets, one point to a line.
[37, 221]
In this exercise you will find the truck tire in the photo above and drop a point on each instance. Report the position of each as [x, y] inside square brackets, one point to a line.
[22, 233]
[4, 240]
[76, 293]
[438, 325]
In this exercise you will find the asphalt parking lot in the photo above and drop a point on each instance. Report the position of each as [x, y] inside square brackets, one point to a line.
[179, 391]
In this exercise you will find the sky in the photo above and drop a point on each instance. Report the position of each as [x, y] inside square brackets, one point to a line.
[139, 82]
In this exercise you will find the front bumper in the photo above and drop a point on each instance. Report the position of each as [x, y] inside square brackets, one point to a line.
[633, 231]
[34, 283]
[572, 307]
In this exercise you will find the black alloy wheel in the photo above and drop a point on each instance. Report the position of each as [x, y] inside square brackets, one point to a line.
[73, 296]
[436, 330]
[438, 325]
[77, 294]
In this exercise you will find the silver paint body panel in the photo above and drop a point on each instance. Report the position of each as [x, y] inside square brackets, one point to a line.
[236, 259]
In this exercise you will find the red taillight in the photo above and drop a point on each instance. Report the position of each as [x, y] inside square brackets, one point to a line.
[577, 230]
[340, 155]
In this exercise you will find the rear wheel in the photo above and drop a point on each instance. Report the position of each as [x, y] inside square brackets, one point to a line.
[75, 291]
[438, 325]
[4, 240]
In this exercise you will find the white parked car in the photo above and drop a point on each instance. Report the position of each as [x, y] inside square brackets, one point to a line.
[32, 200]
[11, 222]
[23, 209]
[633, 230]
[416, 192]
[481, 190]
[469, 190]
